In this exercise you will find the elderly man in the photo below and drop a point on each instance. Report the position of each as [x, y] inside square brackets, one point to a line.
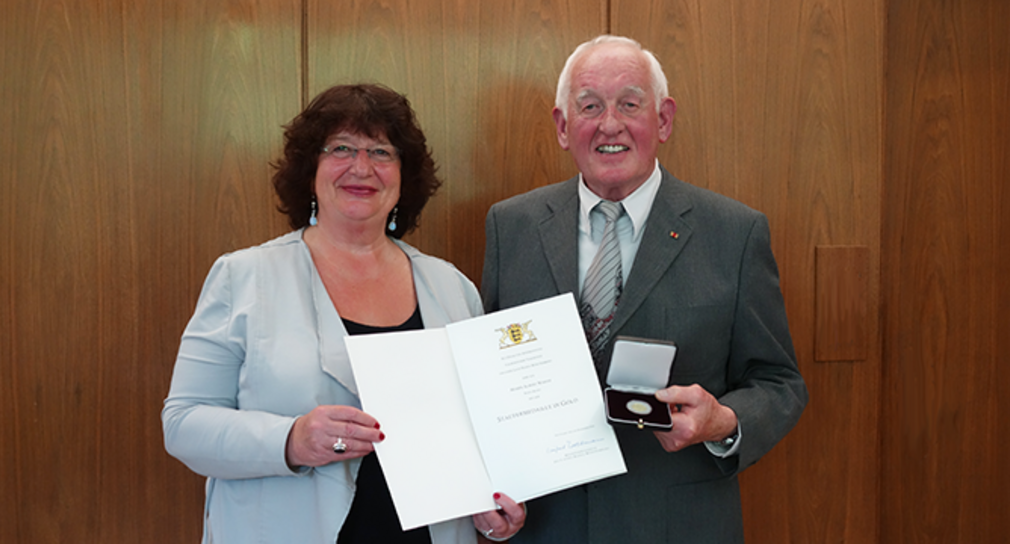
[652, 257]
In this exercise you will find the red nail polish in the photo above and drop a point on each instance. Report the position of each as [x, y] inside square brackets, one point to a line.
[382, 436]
[497, 496]
[376, 424]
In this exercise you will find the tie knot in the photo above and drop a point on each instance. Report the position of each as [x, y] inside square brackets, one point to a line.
[610, 210]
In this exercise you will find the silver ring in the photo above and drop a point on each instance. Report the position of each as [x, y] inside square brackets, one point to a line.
[339, 447]
[487, 533]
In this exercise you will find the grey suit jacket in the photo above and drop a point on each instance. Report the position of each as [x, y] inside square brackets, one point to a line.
[705, 278]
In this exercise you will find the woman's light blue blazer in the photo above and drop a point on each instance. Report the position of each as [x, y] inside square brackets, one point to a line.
[265, 346]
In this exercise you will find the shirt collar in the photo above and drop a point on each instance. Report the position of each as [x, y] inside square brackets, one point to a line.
[636, 205]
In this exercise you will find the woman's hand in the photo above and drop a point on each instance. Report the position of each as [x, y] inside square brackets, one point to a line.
[503, 523]
[313, 437]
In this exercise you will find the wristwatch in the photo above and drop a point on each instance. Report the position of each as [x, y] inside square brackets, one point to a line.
[729, 440]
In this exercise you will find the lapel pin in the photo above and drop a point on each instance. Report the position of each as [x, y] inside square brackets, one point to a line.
[674, 235]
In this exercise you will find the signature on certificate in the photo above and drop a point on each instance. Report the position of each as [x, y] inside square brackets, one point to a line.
[571, 445]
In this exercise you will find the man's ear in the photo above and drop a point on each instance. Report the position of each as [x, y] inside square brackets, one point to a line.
[667, 107]
[562, 125]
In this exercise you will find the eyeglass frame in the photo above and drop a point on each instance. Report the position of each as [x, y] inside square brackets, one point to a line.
[392, 152]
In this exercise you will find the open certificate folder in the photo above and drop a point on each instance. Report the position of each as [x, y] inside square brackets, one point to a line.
[504, 402]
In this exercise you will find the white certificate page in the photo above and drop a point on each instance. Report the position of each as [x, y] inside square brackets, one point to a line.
[504, 402]
[430, 457]
[534, 398]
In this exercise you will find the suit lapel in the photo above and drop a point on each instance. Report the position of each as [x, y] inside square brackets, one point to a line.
[666, 234]
[559, 236]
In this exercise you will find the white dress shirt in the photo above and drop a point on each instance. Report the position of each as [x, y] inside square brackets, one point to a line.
[630, 225]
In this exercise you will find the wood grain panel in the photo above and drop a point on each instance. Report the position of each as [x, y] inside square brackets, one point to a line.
[11, 426]
[946, 233]
[481, 77]
[141, 136]
[842, 279]
[779, 107]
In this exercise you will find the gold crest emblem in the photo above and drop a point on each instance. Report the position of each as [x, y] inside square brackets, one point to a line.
[515, 334]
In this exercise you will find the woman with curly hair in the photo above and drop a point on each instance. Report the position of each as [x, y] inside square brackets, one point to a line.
[263, 400]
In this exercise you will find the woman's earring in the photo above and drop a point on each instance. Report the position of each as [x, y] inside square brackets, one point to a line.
[312, 218]
[392, 222]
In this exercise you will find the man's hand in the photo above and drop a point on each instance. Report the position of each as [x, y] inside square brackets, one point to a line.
[697, 417]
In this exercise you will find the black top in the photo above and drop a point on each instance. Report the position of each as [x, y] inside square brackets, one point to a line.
[372, 517]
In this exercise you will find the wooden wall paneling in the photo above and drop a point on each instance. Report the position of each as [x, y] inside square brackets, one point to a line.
[779, 107]
[945, 237]
[842, 281]
[140, 135]
[481, 77]
[517, 148]
[57, 264]
[12, 61]
[227, 76]
[996, 435]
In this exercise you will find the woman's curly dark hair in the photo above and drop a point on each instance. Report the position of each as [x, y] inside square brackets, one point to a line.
[367, 109]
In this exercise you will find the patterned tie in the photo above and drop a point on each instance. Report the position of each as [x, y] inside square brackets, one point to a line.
[602, 288]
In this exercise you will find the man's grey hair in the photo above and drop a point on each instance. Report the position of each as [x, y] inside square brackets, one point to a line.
[659, 85]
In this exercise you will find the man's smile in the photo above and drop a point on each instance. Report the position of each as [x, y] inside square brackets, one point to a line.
[611, 148]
